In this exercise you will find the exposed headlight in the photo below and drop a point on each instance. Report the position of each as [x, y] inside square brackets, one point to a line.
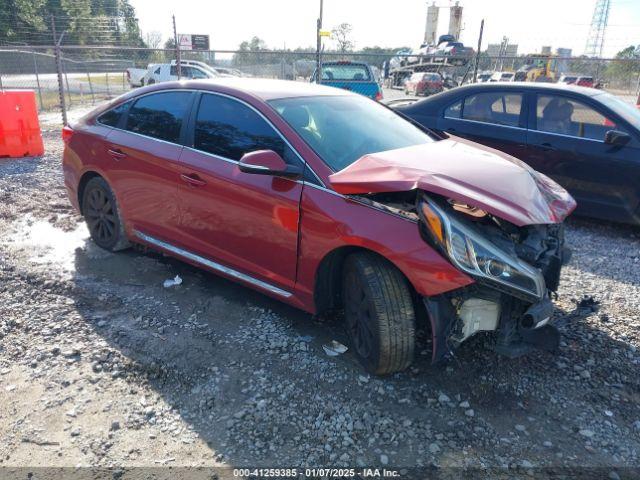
[479, 257]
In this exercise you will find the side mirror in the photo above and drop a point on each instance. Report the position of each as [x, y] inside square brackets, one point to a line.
[268, 162]
[616, 138]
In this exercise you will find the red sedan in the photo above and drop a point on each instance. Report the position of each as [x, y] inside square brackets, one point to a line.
[422, 83]
[328, 201]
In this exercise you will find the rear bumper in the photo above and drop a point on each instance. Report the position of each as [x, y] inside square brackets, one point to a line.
[72, 193]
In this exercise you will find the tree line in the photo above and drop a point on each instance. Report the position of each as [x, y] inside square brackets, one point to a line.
[83, 22]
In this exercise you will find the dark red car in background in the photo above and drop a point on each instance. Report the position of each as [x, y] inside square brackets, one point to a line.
[327, 200]
[424, 83]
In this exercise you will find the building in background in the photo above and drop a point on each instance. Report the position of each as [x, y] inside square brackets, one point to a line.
[430, 30]
[563, 65]
[455, 20]
[546, 50]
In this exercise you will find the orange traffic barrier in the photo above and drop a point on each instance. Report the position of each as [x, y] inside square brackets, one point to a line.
[19, 127]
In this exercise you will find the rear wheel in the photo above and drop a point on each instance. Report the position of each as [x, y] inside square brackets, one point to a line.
[100, 210]
[379, 313]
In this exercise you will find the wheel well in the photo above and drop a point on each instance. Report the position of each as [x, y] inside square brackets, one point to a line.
[328, 286]
[83, 183]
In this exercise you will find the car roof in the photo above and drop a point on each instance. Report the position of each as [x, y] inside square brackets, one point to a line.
[531, 86]
[345, 62]
[263, 89]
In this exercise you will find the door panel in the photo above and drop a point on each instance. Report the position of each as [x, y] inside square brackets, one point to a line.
[145, 180]
[144, 162]
[245, 221]
[567, 144]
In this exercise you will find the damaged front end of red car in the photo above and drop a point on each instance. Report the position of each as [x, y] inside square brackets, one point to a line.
[500, 223]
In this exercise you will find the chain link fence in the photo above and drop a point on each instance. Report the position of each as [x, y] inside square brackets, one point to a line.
[90, 75]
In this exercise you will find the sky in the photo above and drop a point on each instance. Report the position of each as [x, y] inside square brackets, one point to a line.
[291, 23]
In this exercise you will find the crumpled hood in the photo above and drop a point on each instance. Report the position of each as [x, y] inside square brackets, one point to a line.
[463, 171]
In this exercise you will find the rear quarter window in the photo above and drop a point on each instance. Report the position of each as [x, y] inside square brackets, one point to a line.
[112, 117]
[454, 110]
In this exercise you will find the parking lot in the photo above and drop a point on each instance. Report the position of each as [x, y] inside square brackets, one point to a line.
[101, 365]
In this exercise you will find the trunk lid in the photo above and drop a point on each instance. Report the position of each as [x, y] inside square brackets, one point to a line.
[463, 171]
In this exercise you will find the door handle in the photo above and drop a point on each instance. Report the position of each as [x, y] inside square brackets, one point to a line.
[547, 147]
[451, 130]
[192, 179]
[116, 153]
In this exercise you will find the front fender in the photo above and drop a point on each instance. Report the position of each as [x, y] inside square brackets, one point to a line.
[331, 221]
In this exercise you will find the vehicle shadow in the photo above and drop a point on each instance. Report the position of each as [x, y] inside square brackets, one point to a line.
[214, 350]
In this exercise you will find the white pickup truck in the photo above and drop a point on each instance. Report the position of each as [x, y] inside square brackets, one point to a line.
[165, 72]
[135, 76]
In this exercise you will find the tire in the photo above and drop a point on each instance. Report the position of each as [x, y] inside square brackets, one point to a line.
[102, 214]
[379, 313]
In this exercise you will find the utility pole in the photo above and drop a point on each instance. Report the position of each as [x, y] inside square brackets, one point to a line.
[319, 46]
[58, 54]
[475, 69]
[175, 39]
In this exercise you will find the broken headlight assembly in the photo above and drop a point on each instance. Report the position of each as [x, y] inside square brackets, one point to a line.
[473, 254]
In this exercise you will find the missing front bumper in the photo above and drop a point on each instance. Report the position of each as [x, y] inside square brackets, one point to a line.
[519, 327]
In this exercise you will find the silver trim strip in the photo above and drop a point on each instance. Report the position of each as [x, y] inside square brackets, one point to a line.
[213, 265]
[213, 155]
[325, 189]
[489, 124]
[564, 135]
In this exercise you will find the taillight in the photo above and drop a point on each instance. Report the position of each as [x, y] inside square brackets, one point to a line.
[67, 133]
[378, 96]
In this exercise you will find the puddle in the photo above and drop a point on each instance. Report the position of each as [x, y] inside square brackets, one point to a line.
[47, 244]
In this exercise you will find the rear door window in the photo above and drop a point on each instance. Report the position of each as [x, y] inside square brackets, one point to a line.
[159, 115]
[229, 129]
[565, 116]
[499, 108]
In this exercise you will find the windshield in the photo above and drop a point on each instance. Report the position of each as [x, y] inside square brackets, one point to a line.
[345, 71]
[627, 111]
[342, 129]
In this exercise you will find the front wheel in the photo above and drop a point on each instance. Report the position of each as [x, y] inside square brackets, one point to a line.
[100, 210]
[379, 313]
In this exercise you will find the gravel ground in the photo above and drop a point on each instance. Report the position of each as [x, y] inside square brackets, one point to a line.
[102, 366]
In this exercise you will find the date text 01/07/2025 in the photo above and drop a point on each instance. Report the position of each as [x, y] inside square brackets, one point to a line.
[315, 472]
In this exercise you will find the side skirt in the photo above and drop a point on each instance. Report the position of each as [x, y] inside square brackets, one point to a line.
[212, 265]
